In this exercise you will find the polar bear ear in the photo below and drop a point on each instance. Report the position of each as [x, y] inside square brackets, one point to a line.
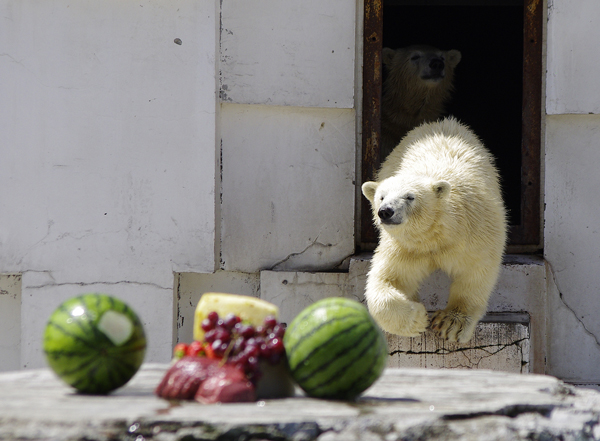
[369, 188]
[442, 188]
[453, 57]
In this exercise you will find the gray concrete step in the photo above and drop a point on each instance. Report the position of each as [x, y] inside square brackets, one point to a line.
[413, 404]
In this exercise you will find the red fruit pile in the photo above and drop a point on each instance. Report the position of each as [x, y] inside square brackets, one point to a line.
[231, 352]
[206, 381]
[238, 344]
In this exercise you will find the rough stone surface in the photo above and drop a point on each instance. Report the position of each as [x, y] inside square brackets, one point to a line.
[405, 404]
[497, 345]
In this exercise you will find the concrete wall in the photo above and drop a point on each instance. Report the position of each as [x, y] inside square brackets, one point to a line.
[572, 236]
[108, 154]
[288, 134]
[288, 187]
[10, 321]
[112, 176]
[128, 157]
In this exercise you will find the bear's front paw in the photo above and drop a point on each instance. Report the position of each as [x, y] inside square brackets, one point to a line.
[405, 318]
[453, 325]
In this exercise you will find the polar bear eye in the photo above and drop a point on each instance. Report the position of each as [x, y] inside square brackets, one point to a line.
[415, 57]
[410, 197]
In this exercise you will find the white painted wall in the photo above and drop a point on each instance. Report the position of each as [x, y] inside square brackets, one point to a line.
[572, 245]
[285, 52]
[288, 187]
[108, 154]
[572, 68]
[571, 233]
[111, 135]
[288, 134]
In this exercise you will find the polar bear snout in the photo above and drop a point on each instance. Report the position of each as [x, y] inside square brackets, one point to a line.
[436, 66]
[385, 213]
[434, 71]
[388, 215]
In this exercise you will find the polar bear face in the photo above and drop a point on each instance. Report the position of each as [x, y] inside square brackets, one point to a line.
[399, 203]
[419, 61]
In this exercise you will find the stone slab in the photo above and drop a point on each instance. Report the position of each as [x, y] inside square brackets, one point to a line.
[498, 344]
[404, 404]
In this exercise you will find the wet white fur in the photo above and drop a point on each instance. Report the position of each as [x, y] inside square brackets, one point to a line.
[456, 223]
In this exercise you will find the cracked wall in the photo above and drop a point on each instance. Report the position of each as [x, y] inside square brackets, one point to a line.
[501, 346]
[572, 244]
[295, 209]
[109, 179]
[108, 167]
[288, 135]
[571, 232]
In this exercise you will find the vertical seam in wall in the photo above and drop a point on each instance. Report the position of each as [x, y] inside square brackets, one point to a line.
[358, 105]
[176, 307]
[219, 264]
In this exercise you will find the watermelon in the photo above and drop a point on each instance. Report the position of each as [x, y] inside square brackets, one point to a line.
[95, 343]
[335, 349]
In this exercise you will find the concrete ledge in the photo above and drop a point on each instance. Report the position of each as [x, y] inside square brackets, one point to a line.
[509, 338]
[404, 404]
[501, 342]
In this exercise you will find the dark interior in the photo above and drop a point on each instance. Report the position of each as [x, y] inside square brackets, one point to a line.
[489, 79]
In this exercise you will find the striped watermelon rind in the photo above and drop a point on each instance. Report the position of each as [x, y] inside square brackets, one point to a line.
[335, 349]
[84, 356]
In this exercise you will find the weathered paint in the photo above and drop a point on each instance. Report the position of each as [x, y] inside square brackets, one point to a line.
[108, 153]
[288, 187]
[288, 53]
[572, 244]
[572, 64]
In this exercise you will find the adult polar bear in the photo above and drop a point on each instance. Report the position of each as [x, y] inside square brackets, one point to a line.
[437, 204]
[418, 83]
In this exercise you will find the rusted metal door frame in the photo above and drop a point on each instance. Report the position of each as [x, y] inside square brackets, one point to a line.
[527, 234]
[371, 133]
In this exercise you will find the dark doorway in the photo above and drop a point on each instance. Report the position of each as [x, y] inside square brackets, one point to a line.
[497, 88]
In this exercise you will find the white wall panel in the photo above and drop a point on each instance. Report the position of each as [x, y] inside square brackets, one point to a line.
[41, 296]
[285, 52]
[572, 246]
[288, 187]
[573, 57]
[108, 153]
[108, 145]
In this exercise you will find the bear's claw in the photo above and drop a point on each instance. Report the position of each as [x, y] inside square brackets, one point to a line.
[453, 326]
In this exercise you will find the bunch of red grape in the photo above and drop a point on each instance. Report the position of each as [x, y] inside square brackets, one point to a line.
[239, 344]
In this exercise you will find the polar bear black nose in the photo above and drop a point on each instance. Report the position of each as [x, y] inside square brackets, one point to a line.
[385, 213]
[436, 64]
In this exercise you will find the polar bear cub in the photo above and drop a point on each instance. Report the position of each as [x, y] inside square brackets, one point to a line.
[437, 204]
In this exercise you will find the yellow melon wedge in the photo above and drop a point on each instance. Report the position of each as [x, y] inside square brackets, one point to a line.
[249, 309]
